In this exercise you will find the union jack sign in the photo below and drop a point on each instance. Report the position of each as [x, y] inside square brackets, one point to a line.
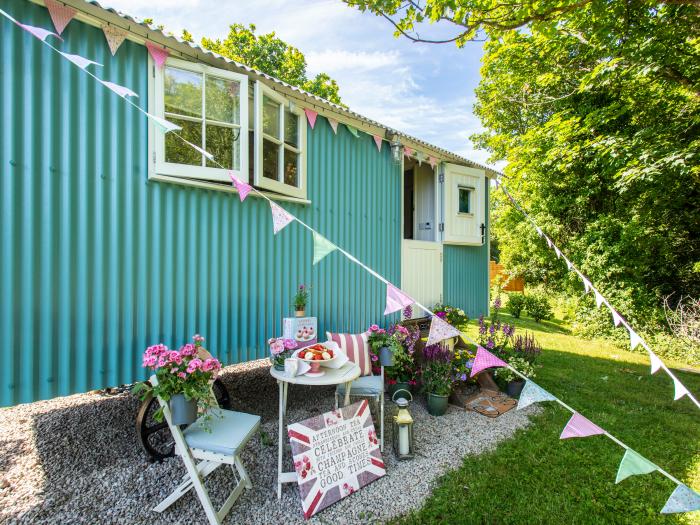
[335, 454]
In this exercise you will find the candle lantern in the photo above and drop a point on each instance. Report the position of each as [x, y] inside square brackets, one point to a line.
[403, 427]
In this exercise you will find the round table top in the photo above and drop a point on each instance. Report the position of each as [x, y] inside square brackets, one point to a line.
[333, 376]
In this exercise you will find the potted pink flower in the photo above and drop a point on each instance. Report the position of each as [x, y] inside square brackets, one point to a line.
[184, 380]
[280, 349]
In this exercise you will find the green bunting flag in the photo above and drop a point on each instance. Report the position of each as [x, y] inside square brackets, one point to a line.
[353, 130]
[632, 464]
[322, 247]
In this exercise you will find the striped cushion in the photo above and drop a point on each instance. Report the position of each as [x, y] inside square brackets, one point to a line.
[356, 348]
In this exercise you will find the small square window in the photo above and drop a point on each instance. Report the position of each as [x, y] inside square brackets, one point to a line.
[465, 198]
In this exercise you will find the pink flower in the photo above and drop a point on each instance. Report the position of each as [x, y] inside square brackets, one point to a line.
[162, 361]
[277, 347]
[198, 338]
[195, 364]
[375, 357]
[188, 350]
[374, 328]
[175, 357]
[290, 344]
[412, 382]
[211, 364]
[182, 375]
[381, 331]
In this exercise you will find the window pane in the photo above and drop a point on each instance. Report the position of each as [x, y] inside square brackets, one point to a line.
[177, 151]
[464, 198]
[291, 161]
[183, 92]
[224, 144]
[291, 128]
[270, 167]
[271, 117]
[222, 100]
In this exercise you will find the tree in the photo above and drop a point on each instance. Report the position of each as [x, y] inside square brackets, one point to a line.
[273, 56]
[595, 105]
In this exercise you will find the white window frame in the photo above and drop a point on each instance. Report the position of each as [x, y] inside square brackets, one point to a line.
[472, 191]
[278, 185]
[163, 168]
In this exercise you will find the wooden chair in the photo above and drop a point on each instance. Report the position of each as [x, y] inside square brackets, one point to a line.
[221, 444]
[371, 387]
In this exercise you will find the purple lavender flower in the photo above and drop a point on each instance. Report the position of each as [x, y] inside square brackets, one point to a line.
[441, 315]
[497, 303]
[463, 377]
[490, 344]
[492, 329]
[408, 312]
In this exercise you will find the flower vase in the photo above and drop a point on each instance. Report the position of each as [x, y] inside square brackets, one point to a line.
[277, 364]
[437, 404]
[182, 410]
[386, 356]
[300, 312]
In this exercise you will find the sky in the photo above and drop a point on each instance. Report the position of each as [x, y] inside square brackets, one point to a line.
[425, 90]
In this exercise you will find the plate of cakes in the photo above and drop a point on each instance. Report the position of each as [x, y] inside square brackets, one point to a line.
[316, 356]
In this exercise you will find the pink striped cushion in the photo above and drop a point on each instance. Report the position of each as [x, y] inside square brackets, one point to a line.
[356, 348]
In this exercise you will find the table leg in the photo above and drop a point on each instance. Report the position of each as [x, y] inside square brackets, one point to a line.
[346, 401]
[280, 445]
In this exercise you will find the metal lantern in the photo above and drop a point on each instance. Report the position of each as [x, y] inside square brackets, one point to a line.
[403, 427]
[396, 149]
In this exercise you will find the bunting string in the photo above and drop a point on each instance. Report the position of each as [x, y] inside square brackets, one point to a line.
[682, 499]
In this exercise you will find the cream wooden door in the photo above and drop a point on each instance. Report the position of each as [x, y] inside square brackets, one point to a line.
[421, 272]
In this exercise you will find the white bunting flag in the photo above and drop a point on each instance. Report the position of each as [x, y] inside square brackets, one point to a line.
[79, 61]
[200, 150]
[322, 247]
[556, 250]
[539, 231]
[679, 390]
[655, 362]
[533, 393]
[569, 264]
[617, 318]
[682, 499]
[549, 241]
[635, 340]
[334, 125]
[440, 330]
[38, 32]
[280, 217]
[164, 125]
[114, 36]
[119, 90]
[587, 284]
[599, 300]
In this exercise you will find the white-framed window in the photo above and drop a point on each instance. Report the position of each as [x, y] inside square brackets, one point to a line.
[464, 199]
[280, 144]
[211, 106]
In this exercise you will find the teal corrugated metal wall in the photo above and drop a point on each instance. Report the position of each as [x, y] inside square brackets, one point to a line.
[466, 273]
[98, 262]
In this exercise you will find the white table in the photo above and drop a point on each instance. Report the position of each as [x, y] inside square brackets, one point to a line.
[333, 376]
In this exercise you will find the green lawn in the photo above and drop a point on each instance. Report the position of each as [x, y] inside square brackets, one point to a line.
[537, 478]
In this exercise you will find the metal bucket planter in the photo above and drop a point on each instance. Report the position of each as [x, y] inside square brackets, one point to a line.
[437, 404]
[386, 356]
[182, 411]
[514, 388]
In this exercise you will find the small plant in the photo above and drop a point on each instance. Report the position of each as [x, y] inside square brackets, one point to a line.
[495, 336]
[437, 373]
[455, 316]
[526, 347]
[462, 364]
[537, 306]
[401, 342]
[280, 349]
[301, 298]
[521, 365]
[516, 304]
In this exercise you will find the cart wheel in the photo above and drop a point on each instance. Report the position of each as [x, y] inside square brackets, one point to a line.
[154, 436]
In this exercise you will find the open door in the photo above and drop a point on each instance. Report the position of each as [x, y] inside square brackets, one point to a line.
[464, 214]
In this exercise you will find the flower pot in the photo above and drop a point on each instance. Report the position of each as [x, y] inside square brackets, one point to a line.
[277, 364]
[514, 388]
[393, 388]
[437, 404]
[300, 312]
[182, 411]
[386, 356]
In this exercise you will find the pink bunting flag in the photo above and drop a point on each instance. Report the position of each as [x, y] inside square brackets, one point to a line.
[114, 36]
[433, 163]
[407, 151]
[679, 390]
[578, 427]
[655, 362]
[440, 330]
[378, 141]
[79, 61]
[38, 32]
[485, 359]
[60, 14]
[311, 117]
[158, 53]
[243, 188]
[396, 300]
[280, 217]
[119, 90]
[334, 125]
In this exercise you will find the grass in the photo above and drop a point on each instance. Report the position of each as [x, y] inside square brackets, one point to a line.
[537, 478]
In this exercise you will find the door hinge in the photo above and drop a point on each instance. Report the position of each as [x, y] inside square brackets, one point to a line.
[441, 227]
[154, 157]
[441, 177]
[440, 256]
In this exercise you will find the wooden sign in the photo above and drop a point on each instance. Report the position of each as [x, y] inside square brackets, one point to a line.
[335, 454]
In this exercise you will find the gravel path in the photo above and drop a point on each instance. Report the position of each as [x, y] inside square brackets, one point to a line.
[76, 459]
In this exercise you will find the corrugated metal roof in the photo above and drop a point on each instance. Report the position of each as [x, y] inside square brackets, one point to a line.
[93, 8]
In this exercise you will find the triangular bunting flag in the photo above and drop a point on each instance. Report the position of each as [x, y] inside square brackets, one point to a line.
[440, 330]
[483, 360]
[334, 125]
[38, 32]
[586, 284]
[683, 499]
[678, 389]
[164, 125]
[569, 264]
[280, 217]
[433, 163]
[60, 14]
[598, 298]
[79, 61]
[119, 90]
[396, 300]
[579, 426]
[655, 362]
[617, 318]
[549, 241]
[353, 130]
[200, 150]
[539, 231]
[420, 157]
[311, 116]
[378, 141]
[408, 152]
[115, 36]
[633, 464]
[635, 340]
[556, 250]
[533, 393]
[322, 247]
[158, 53]
[243, 188]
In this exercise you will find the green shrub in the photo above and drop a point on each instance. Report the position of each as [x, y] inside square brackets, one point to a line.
[537, 306]
[516, 304]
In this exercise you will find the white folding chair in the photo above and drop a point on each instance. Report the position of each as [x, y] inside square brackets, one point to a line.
[371, 387]
[227, 434]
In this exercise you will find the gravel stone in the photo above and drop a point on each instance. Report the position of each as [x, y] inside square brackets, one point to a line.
[77, 459]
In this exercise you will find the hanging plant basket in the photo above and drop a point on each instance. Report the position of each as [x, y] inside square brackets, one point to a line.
[182, 410]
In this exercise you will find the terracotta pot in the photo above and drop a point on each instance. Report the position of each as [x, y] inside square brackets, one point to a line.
[300, 313]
